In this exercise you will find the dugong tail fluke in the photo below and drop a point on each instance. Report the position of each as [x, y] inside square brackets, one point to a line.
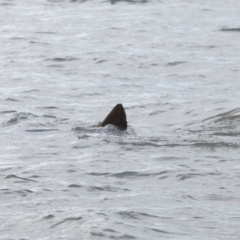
[116, 117]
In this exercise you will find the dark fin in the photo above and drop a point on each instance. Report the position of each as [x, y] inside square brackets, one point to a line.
[116, 117]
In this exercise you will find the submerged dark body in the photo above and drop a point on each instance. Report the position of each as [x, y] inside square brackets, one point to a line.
[116, 117]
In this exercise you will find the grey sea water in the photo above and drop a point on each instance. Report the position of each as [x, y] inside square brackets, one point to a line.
[175, 67]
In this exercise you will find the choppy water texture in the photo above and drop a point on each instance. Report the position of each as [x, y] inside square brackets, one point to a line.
[174, 65]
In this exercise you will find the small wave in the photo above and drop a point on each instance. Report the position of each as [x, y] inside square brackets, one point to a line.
[106, 188]
[112, 130]
[45, 32]
[228, 118]
[75, 186]
[187, 196]
[49, 116]
[55, 66]
[16, 117]
[223, 125]
[83, 136]
[41, 130]
[171, 64]
[130, 174]
[17, 38]
[109, 230]
[163, 174]
[230, 29]
[128, 1]
[156, 112]
[183, 177]
[160, 231]
[98, 174]
[216, 197]
[61, 59]
[50, 216]
[32, 90]
[84, 130]
[5, 112]
[50, 107]
[147, 215]
[6, 4]
[55, 1]
[17, 177]
[21, 192]
[96, 188]
[224, 115]
[227, 134]
[128, 214]
[35, 176]
[39, 43]
[108, 133]
[11, 100]
[213, 145]
[151, 144]
[4, 189]
[66, 220]
[111, 1]
[100, 61]
[135, 215]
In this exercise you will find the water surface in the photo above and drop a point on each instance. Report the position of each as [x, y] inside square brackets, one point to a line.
[174, 174]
